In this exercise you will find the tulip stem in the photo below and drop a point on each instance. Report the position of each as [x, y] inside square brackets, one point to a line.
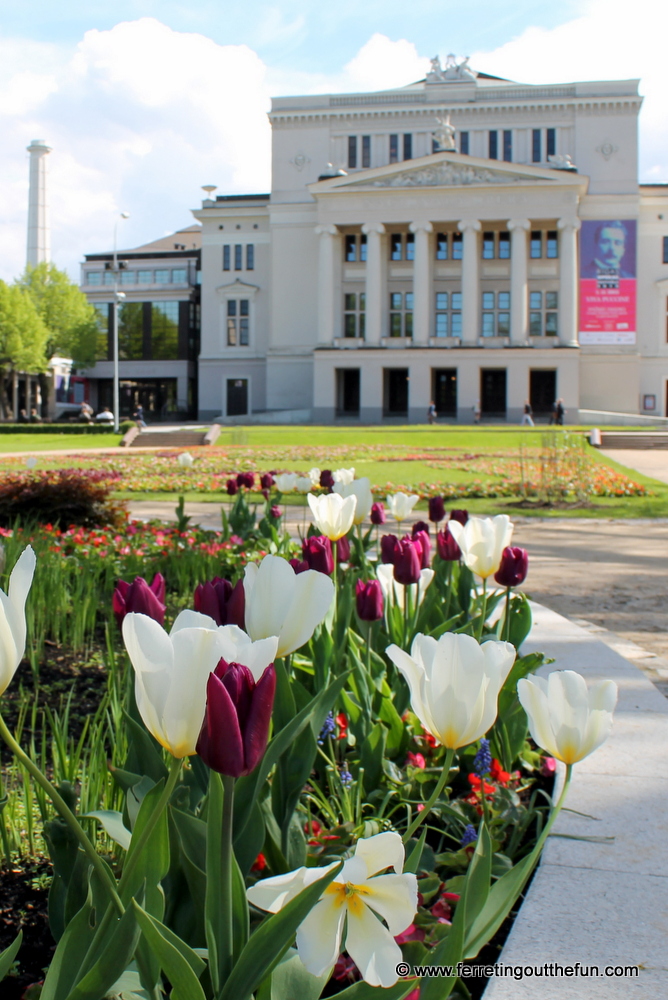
[440, 784]
[67, 815]
[506, 623]
[335, 555]
[483, 610]
[448, 592]
[226, 879]
[137, 848]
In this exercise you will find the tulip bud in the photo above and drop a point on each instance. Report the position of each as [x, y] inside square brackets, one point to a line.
[407, 561]
[221, 601]
[299, 565]
[235, 730]
[317, 551]
[514, 565]
[436, 509]
[246, 479]
[232, 487]
[266, 481]
[420, 526]
[447, 547]
[459, 515]
[343, 550]
[276, 513]
[326, 479]
[421, 540]
[140, 598]
[377, 514]
[387, 546]
[369, 596]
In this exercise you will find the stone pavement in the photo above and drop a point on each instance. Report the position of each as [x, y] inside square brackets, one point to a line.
[651, 462]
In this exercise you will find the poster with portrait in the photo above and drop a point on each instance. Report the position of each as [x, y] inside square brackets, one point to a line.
[608, 281]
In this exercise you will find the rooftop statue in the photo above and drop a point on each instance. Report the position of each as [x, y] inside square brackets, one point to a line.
[444, 134]
[454, 72]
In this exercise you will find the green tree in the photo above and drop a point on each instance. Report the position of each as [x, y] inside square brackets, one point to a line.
[23, 337]
[73, 324]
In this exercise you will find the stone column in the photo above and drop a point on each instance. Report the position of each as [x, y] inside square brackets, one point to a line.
[519, 284]
[329, 307]
[422, 282]
[39, 249]
[375, 284]
[568, 281]
[470, 283]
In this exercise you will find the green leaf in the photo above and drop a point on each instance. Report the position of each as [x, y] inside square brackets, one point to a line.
[112, 823]
[271, 940]
[143, 755]
[182, 966]
[153, 863]
[519, 619]
[119, 948]
[362, 991]
[413, 860]
[9, 954]
[478, 876]
[291, 980]
[214, 917]
[372, 753]
[397, 737]
[502, 897]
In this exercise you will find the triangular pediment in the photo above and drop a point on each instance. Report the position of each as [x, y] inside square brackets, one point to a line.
[448, 169]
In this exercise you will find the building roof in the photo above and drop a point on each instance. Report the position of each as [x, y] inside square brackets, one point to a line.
[184, 242]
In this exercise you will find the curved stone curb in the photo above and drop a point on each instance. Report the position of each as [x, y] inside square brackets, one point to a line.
[602, 904]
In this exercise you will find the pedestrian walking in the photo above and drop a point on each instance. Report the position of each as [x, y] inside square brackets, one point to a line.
[138, 417]
[477, 413]
[527, 415]
[559, 413]
[431, 413]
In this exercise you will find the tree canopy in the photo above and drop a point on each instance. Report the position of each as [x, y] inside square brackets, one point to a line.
[72, 323]
[23, 333]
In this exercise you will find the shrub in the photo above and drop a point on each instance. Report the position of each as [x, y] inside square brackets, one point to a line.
[60, 428]
[126, 425]
[60, 497]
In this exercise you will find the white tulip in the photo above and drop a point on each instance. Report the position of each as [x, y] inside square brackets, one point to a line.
[344, 476]
[360, 488]
[333, 515]
[283, 603]
[482, 541]
[454, 684]
[395, 593]
[13, 616]
[185, 459]
[355, 899]
[285, 481]
[401, 504]
[303, 484]
[234, 645]
[314, 476]
[31, 462]
[565, 718]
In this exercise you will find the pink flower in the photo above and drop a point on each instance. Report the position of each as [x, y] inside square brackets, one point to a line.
[417, 760]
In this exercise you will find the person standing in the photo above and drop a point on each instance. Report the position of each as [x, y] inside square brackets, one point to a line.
[139, 417]
[477, 413]
[431, 413]
[527, 415]
[559, 413]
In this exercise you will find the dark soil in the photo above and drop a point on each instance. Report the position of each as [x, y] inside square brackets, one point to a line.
[555, 505]
[24, 891]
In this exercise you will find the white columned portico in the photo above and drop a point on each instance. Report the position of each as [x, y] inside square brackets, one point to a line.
[422, 282]
[470, 283]
[519, 283]
[568, 281]
[375, 283]
[329, 284]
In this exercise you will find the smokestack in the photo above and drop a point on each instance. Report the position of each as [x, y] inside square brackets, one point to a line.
[39, 237]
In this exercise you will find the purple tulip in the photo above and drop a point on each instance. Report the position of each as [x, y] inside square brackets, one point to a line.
[343, 550]
[246, 479]
[421, 540]
[388, 543]
[317, 551]
[420, 526]
[326, 479]
[299, 565]
[221, 601]
[232, 487]
[377, 513]
[276, 513]
[139, 598]
[447, 547]
[459, 515]
[369, 596]
[436, 509]
[514, 565]
[235, 730]
[407, 566]
[266, 481]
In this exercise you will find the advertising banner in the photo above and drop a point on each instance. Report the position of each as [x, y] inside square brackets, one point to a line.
[608, 282]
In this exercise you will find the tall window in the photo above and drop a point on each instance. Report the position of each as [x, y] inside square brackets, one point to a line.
[164, 331]
[354, 304]
[507, 145]
[536, 245]
[250, 257]
[543, 314]
[464, 143]
[352, 151]
[351, 248]
[665, 250]
[238, 257]
[408, 146]
[395, 246]
[457, 246]
[410, 246]
[226, 257]
[131, 331]
[494, 145]
[363, 247]
[488, 240]
[536, 146]
[238, 313]
[394, 149]
[551, 143]
[552, 244]
[441, 246]
[504, 246]
[448, 314]
[495, 314]
[366, 151]
[401, 314]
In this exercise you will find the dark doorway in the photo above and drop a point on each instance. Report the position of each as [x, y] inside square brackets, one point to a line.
[237, 397]
[347, 392]
[395, 392]
[542, 390]
[444, 391]
[156, 396]
[493, 392]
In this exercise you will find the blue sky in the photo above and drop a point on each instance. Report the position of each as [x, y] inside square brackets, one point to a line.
[143, 102]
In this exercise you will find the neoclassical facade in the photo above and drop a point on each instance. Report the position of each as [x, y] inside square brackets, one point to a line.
[466, 240]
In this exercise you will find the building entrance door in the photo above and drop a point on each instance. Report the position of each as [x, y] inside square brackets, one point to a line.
[237, 397]
[493, 392]
[542, 390]
[395, 392]
[347, 392]
[444, 391]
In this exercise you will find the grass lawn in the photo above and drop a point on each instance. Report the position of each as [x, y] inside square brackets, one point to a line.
[51, 442]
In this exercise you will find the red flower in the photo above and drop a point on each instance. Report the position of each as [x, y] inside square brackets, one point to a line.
[259, 864]
[412, 933]
[497, 773]
[417, 760]
[342, 723]
[476, 783]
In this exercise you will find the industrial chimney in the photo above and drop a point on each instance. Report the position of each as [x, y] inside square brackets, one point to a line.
[39, 238]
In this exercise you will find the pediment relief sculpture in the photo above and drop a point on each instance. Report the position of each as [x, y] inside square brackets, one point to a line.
[446, 174]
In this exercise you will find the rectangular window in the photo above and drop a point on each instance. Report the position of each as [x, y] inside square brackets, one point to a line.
[503, 324]
[352, 152]
[146, 277]
[503, 300]
[250, 257]
[395, 246]
[226, 257]
[231, 322]
[179, 275]
[237, 397]
[350, 314]
[457, 246]
[243, 322]
[95, 277]
[102, 340]
[488, 300]
[488, 246]
[535, 324]
[366, 151]
[238, 257]
[543, 314]
[456, 314]
[536, 300]
[488, 324]
[394, 149]
[108, 278]
[444, 321]
[129, 277]
[464, 143]
[363, 248]
[441, 246]
[494, 145]
[351, 248]
[552, 244]
[504, 246]
[508, 145]
[162, 277]
[399, 305]
[131, 331]
[665, 249]
[536, 144]
[165, 331]
[536, 246]
[408, 146]
[551, 142]
[410, 246]
[441, 324]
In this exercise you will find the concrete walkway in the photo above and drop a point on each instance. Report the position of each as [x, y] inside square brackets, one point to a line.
[603, 904]
[652, 462]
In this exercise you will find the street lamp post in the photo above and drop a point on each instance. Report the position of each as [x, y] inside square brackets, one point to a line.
[118, 298]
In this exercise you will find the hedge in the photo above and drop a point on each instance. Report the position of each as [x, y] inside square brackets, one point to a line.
[46, 428]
